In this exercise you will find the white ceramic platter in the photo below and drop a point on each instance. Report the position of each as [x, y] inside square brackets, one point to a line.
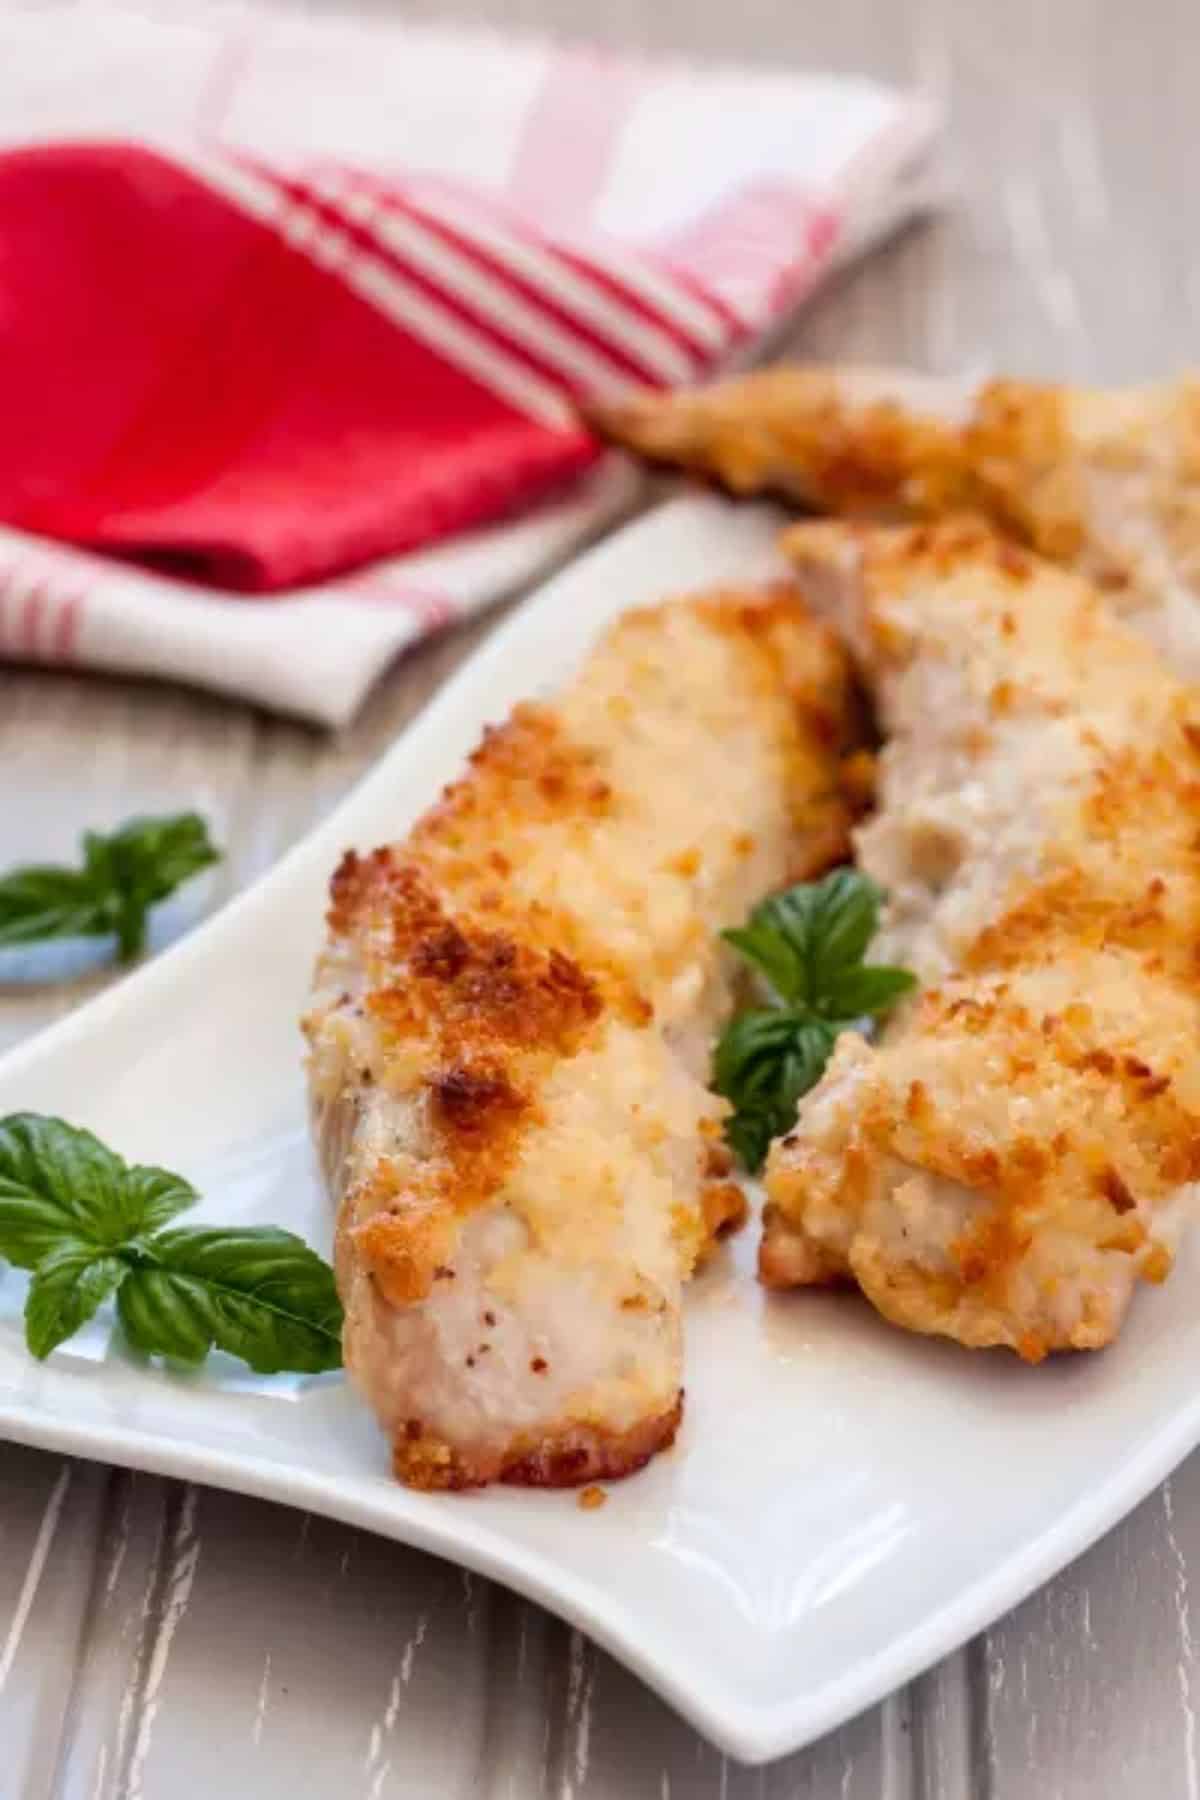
[845, 1503]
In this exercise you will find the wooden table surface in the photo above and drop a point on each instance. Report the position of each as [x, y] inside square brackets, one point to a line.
[163, 1642]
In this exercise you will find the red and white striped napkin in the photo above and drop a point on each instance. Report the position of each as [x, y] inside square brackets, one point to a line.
[295, 315]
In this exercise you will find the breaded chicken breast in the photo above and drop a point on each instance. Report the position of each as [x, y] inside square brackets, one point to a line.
[1107, 483]
[511, 1030]
[1023, 1142]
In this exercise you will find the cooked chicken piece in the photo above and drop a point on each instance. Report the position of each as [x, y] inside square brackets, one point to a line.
[1106, 482]
[1022, 1143]
[511, 1030]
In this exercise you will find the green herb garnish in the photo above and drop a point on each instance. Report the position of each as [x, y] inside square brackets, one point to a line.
[807, 945]
[124, 874]
[89, 1226]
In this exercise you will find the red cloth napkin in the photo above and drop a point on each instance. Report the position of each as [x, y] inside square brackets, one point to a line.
[304, 309]
[189, 382]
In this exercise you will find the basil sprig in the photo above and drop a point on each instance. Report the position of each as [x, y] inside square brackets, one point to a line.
[124, 873]
[807, 945]
[91, 1227]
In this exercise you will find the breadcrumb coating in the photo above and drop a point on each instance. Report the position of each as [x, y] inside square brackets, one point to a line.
[510, 1035]
[1106, 482]
[1023, 1142]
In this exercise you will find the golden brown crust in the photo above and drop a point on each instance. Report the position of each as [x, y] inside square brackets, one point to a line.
[792, 431]
[1024, 455]
[512, 1029]
[523, 775]
[486, 1008]
[502, 985]
[1010, 1158]
[1016, 457]
[1110, 1103]
[788, 1257]
[827, 712]
[573, 1457]
[724, 1209]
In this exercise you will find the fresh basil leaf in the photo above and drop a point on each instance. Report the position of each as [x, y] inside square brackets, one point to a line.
[89, 1225]
[39, 903]
[764, 1062]
[258, 1293]
[750, 1135]
[773, 953]
[748, 1050]
[786, 920]
[802, 938]
[799, 1069]
[56, 1182]
[140, 864]
[802, 1065]
[154, 1197]
[124, 874]
[829, 924]
[59, 1182]
[157, 855]
[867, 991]
[70, 1283]
[808, 942]
[161, 1317]
[843, 920]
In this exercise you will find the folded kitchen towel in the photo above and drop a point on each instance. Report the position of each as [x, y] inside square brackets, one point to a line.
[295, 316]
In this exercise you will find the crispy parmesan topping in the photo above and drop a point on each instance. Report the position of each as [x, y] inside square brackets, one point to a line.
[1010, 1159]
[510, 1039]
[1105, 481]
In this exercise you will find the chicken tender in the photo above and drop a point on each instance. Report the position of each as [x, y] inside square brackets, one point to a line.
[510, 1038]
[1023, 1143]
[1105, 482]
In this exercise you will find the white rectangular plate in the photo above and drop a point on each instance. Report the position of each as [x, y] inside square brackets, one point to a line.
[845, 1503]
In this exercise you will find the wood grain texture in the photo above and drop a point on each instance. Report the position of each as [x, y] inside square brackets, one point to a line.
[159, 1642]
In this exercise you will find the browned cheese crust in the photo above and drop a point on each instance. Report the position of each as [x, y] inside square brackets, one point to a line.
[500, 986]
[1018, 1149]
[509, 1040]
[1101, 480]
[568, 1458]
[794, 432]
